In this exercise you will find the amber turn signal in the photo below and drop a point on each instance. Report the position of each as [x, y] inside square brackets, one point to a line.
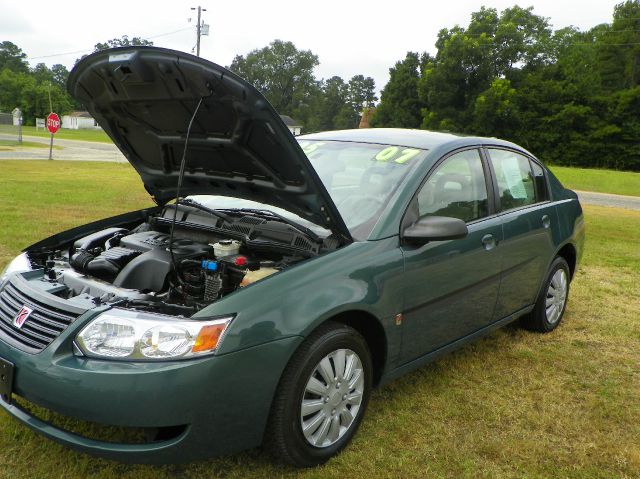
[208, 338]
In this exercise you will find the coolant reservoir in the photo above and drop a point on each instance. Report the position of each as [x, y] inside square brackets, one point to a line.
[253, 276]
[226, 248]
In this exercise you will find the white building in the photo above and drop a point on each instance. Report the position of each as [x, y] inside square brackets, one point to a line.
[294, 126]
[78, 120]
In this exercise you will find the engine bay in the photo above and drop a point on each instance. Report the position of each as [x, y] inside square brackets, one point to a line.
[146, 266]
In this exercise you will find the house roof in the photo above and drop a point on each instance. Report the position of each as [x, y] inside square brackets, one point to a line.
[290, 121]
[80, 114]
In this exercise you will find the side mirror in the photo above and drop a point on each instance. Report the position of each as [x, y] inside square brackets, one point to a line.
[434, 228]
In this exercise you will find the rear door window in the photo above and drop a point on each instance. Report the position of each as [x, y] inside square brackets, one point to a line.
[516, 187]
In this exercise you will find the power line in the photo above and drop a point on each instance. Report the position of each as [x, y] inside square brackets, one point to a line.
[594, 43]
[492, 35]
[87, 50]
[170, 33]
[59, 54]
[605, 44]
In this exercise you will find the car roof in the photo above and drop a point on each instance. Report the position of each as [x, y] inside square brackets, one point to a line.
[423, 139]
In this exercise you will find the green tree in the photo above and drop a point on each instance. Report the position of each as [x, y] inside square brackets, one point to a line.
[334, 112]
[342, 103]
[521, 40]
[23, 91]
[123, 41]
[496, 111]
[282, 73]
[400, 105]
[361, 93]
[12, 57]
[42, 74]
[469, 60]
[60, 75]
[450, 82]
[619, 52]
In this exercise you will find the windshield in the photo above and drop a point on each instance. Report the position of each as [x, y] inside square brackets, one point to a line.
[360, 177]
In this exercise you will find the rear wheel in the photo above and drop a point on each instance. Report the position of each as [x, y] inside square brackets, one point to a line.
[552, 301]
[321, 397]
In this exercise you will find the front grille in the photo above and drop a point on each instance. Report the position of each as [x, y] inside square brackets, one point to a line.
[44, 324]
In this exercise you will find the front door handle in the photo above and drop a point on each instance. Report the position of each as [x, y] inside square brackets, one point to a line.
[546, 221]
[489, 242]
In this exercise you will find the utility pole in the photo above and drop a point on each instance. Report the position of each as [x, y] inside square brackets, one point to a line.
[199, 26]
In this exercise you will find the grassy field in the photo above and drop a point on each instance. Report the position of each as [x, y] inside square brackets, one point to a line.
[513, 405]
[85, 135]
[601, 181]
[586, 179]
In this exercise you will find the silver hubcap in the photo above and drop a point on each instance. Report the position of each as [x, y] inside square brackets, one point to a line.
[556, 296]
[332, 398]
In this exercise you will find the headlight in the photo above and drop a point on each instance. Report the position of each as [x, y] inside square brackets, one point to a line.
[132, 335]
[19, 264]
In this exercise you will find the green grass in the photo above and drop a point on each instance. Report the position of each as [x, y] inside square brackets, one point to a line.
[41, 198]
[11, 145]
[601, 181]
[513, 405]
[85, 135]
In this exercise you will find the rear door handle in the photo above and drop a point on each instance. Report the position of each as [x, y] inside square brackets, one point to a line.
[489, 242]
[546, 221]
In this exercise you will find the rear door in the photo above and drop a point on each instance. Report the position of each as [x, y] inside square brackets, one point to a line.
[451, 287]
[527, 217]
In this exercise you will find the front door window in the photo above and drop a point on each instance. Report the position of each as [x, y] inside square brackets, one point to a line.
[456, 189]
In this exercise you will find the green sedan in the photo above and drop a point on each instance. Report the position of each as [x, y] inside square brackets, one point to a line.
[278, 279]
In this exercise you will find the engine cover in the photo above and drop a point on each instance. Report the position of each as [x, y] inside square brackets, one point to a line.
[148, 272]
[151, 240]
[141, 261]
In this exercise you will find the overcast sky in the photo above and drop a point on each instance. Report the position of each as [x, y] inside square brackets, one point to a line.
[350, 37]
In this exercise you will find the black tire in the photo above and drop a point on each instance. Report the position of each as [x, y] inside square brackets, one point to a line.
[284, 437]
[538, 319]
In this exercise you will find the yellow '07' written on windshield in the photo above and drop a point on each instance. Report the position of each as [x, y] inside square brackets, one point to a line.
[390, 153]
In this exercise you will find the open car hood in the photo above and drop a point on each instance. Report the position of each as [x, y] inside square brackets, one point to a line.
[144, 98]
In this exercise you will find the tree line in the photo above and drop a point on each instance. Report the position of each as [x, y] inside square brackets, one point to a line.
[29, 89]
[284, 75]
[571, 97]
[280, 71]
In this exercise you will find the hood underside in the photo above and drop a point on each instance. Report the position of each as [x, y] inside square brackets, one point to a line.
[144, 99]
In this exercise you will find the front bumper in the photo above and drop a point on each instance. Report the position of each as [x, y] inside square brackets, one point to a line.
[222, 401]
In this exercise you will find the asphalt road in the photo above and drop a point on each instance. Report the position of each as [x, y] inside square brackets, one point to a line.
[604, 199]
[94, 151]
[71, 150]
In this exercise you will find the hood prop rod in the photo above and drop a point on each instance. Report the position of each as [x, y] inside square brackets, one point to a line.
[183, 164]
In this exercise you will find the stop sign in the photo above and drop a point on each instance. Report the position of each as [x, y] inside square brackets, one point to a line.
[53, 122]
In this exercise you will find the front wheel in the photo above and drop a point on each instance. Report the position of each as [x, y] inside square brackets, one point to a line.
[552, 301]
[321, 397]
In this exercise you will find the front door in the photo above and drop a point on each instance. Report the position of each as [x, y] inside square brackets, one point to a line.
[451, 287]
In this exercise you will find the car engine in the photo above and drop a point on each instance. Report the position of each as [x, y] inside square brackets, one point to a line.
[138, 266]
